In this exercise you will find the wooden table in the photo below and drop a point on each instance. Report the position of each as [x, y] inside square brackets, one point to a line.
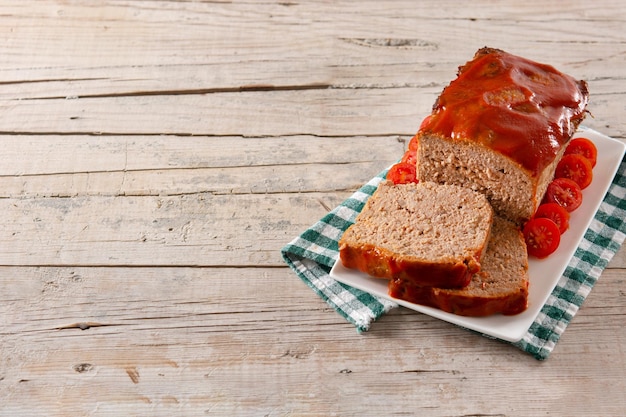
[156, 155]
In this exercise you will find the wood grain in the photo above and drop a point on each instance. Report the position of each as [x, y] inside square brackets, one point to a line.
[158, 154]
[212, 342]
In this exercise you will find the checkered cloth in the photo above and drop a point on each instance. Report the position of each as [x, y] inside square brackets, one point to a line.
[312, 255]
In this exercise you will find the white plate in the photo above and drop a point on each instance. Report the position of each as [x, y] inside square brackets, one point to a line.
[543, 274]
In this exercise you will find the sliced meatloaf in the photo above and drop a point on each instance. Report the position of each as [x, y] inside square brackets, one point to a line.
[426, 234]
[501, 286]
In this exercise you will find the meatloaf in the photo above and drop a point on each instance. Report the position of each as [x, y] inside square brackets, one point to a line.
[426, 234]
[500, 128]
[501, 286]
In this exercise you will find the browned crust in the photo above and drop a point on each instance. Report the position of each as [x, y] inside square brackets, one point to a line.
[500, 287]
[459, 303]
[381, 263]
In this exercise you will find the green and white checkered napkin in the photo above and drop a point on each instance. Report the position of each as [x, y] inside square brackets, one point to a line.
[314, 252]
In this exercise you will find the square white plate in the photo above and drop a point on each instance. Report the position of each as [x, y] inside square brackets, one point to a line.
[543, 274]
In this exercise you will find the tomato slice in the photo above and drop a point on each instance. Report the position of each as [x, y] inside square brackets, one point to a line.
[584, 147]
[413, 143]
[402, 173]
[425, 121]
[564, 192]
[542, 237]
[556, 213]
[575, 167]
[410, 157]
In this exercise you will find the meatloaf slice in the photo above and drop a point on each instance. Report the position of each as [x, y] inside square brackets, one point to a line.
[426, 234]
[501, 286]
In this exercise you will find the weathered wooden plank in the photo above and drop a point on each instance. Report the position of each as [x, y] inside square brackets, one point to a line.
[81, 206]
[114, 166]
[24, 156]
[213, 32]
[196, 229]
[251, 180]
[249, 342]
[325, 112]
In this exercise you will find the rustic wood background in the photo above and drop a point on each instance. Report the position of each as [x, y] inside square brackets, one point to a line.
[156, 155]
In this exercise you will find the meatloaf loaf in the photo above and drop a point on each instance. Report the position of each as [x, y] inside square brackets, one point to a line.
[500, 128]
[426, 234]
[501, 286]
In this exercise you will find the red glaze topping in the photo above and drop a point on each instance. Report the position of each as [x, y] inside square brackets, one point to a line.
[517, 107]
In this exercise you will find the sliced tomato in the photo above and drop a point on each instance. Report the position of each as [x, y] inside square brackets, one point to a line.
[556, 213]
[425, 121]
[402, 173]
[575, 167]
[564, 192]
[542, 237]
[584, 147]
[410, 157]
[413, 143]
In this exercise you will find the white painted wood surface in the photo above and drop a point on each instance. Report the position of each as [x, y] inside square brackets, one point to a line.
[156, 155]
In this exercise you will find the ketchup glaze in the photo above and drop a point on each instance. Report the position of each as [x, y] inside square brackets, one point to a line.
[517, 107]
